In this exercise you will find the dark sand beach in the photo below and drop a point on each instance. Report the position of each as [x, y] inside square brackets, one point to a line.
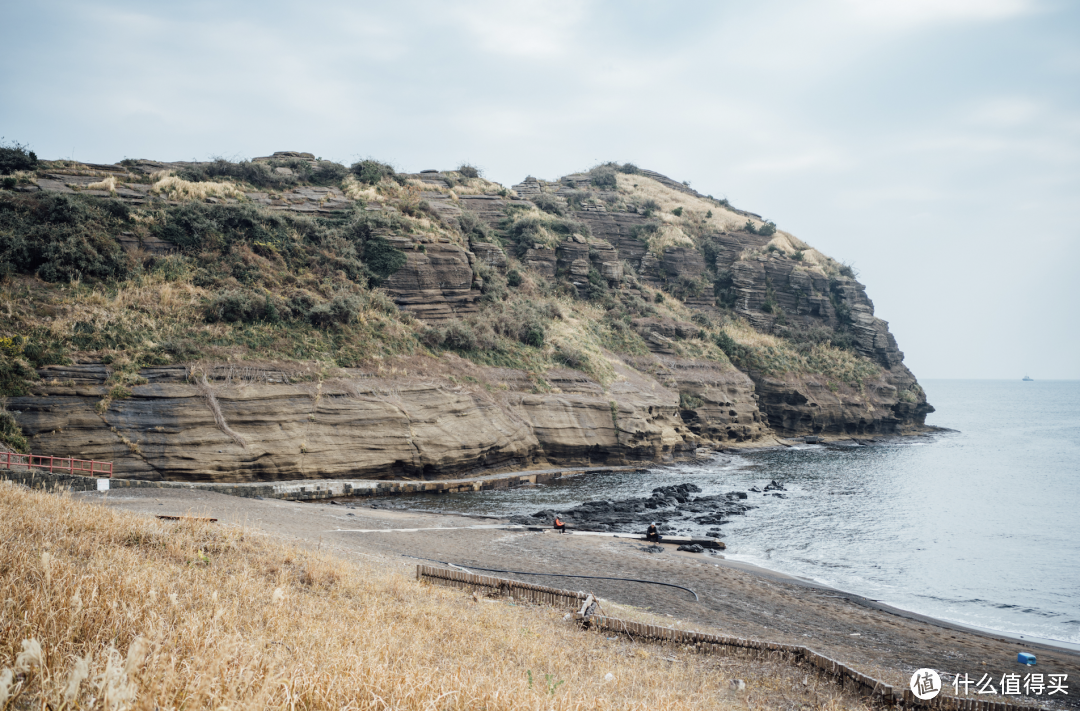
[735, 598]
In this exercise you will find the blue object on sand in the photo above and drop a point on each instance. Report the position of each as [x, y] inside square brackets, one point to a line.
[1025, 658]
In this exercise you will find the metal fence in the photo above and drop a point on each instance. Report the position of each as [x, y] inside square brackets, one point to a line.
[84, 467]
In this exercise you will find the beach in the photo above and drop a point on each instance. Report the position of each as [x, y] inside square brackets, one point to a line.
[734, 598]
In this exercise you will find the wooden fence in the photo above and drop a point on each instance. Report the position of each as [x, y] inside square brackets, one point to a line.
[845, 676]
[526, 592]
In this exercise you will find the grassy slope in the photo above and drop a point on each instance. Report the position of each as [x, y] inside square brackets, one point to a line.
[131, 612]
[250, 284]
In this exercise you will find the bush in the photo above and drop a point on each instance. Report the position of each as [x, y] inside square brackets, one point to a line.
[372, 171]
[473, 228]
[194, 226]
[328, 173]
[341, 310]
[382, 258]
[604, 178]
[572, 357]
[529, 229]
[677, 211]
[577, 198]
[259, 174]
[550, 204]
[644, 231]
[767, 229]
[469, 171]
[629, 169]
[649, 206]
[235, 306]
[459, 336]
[16, 157]
[513, 278]
[61, 237]
[11, 434]
[727, 344]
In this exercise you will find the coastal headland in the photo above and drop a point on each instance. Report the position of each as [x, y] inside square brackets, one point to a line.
[290, 318]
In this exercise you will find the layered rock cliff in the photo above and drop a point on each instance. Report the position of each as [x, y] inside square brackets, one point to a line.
[288, 318]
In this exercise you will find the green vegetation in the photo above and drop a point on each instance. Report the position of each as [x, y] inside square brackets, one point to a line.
[371, 172]
[15, 157]
[767, 229]
[243, 282]
[603, 177]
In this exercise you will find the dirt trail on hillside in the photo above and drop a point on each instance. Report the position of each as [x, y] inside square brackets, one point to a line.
[735, 599]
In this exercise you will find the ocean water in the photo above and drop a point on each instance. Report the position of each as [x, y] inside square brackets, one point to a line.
[980, 526]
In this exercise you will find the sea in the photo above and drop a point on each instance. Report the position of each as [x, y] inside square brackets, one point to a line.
[979, 525]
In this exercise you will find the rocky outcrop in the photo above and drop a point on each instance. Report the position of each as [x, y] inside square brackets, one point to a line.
[800, 404]
[436, 281]
[355, 425]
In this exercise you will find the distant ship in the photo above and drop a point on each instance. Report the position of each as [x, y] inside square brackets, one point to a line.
[1029, 379]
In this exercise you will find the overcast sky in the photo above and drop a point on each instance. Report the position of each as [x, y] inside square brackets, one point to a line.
[935, 144]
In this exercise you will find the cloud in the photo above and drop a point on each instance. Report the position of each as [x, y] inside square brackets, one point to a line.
[518, 30]
[903, 14]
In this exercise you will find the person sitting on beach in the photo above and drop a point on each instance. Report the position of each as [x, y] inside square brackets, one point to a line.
[653, 534]
[559, 525]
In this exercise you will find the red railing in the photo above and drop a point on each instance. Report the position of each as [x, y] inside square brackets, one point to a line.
[85, 467]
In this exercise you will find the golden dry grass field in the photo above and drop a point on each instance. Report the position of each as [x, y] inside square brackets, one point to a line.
[102, 609]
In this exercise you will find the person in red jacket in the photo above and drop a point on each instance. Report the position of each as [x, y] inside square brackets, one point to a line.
[559, 525]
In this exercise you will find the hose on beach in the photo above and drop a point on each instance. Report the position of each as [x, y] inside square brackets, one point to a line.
[560, 575]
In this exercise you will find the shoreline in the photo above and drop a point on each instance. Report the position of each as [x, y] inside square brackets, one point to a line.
[1040, 642]
[768, 573]
[736, 598]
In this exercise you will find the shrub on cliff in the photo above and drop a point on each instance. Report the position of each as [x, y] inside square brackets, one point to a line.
[473, 228]
[468, 170]
[196, 226]
[61, 237]
[531, 228]
[549, 204]
[11, 434]
[327, 173]
[767, 229]
[341, 310]
[603, 177]
[372, 171]
[15, 157]
[382, 258]
[259, 174]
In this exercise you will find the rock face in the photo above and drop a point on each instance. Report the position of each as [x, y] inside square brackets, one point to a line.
[358, 425]
[436, 282]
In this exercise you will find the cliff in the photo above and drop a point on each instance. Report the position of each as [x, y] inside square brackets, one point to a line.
[289, 318]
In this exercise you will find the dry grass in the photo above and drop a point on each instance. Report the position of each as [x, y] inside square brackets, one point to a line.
[644, 188]
[108, 610]
[108, 183]
[777, 356]
[355, 190]
[176, 188]
[668, 236]
[701, 216]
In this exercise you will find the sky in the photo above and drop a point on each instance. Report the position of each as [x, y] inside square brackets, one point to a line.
[933, 144]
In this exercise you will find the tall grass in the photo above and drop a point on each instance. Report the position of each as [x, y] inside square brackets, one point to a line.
[110, 610]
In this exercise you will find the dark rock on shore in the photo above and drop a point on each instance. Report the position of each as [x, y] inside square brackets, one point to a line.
[668, 506]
